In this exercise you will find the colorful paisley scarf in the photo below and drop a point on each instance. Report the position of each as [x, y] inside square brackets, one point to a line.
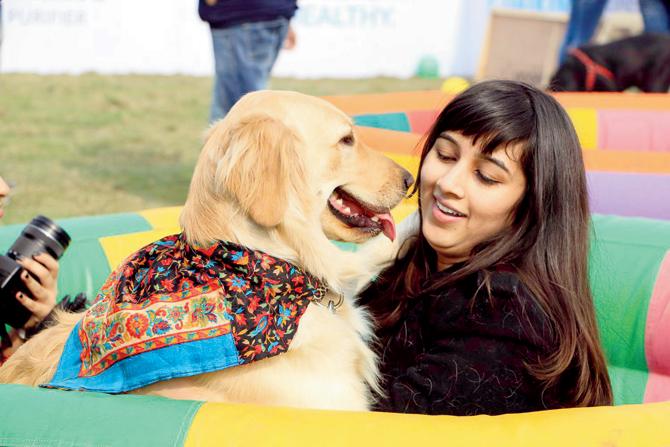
[174, 310]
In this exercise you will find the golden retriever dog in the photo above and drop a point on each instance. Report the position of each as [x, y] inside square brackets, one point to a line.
[282, 173]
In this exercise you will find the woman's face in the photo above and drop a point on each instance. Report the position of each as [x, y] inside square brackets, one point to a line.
[4, 192]
[467, 196]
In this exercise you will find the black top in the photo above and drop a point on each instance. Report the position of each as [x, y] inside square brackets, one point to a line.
[452, 354]
[227, 13]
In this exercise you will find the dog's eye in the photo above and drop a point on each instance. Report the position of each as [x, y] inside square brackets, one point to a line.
[348, 140]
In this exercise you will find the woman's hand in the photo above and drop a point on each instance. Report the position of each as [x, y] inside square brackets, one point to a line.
[42, 290]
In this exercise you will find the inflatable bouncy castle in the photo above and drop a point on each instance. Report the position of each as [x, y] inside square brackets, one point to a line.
[626, 143]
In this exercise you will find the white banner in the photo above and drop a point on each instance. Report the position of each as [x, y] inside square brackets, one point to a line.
[105, 36]
[336, 38]
[361, 38]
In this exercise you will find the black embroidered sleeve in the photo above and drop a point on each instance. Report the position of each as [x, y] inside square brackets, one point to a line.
[454, 356]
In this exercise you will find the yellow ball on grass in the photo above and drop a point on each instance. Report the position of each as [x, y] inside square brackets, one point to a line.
[454, 85]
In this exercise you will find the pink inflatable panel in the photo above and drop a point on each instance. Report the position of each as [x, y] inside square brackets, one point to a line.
[658, 387]
[634, 130]
[657, 337]
[421, 120]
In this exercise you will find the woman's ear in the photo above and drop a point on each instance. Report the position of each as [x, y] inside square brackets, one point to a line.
[259, 167]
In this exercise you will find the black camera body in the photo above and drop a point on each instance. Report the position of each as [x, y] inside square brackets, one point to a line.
[39, 236]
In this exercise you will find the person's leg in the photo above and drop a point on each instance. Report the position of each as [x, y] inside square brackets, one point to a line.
[656, 15]
[225, 89]
[243, 57]
[258, 52]
[584, 18]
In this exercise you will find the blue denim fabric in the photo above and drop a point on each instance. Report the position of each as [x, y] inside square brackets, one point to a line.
[137, 371]
[656, 15]
[584, 18]
[243, 57]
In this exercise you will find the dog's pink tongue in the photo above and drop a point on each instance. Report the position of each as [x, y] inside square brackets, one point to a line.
[388, 225]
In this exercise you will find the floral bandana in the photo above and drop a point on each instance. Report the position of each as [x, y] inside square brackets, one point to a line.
[174, 310]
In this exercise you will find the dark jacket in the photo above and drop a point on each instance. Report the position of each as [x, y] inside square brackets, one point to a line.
[227, 13]
[452, 355]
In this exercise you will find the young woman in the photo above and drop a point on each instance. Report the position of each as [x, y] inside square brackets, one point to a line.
[488, 309]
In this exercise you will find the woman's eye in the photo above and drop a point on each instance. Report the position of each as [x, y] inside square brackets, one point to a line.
[348, 140]
[445, 157]
[485, 179]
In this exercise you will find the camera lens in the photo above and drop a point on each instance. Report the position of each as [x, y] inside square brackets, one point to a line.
[40, 235]
[50, 229]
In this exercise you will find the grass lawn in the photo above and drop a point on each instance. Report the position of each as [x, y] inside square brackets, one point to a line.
[91, 144]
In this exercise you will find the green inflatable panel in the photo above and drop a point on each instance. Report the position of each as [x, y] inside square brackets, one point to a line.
[625, 257]
[53, 418]
[390, 121]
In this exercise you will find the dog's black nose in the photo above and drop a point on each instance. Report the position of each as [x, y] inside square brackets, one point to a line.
[408, 179]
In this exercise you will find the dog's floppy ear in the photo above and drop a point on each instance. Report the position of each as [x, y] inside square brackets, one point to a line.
[260, 167]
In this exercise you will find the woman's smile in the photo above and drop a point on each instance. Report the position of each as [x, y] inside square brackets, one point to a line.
[445, 213]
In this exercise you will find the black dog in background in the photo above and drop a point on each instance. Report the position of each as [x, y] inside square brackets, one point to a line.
[641, 61]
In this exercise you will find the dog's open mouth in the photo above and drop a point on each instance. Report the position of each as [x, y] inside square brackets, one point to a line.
[362, 216]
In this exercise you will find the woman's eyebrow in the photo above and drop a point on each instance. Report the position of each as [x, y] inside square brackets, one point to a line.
[449, 138]
[495, 161]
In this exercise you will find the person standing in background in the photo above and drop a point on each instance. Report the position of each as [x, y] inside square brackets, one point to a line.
[656, 15]
[246, 38]
[585, 16]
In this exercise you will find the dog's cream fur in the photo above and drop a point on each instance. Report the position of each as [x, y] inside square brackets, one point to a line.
[263, 180]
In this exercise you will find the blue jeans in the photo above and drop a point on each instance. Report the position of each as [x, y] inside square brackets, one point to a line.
[243, 58]
[656, 15]
[584, 18]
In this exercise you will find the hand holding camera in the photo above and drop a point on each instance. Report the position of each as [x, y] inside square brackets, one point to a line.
[28, 273]
[41, 281]
[29, 278]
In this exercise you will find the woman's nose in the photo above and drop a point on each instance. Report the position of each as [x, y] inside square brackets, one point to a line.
[451, 183]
